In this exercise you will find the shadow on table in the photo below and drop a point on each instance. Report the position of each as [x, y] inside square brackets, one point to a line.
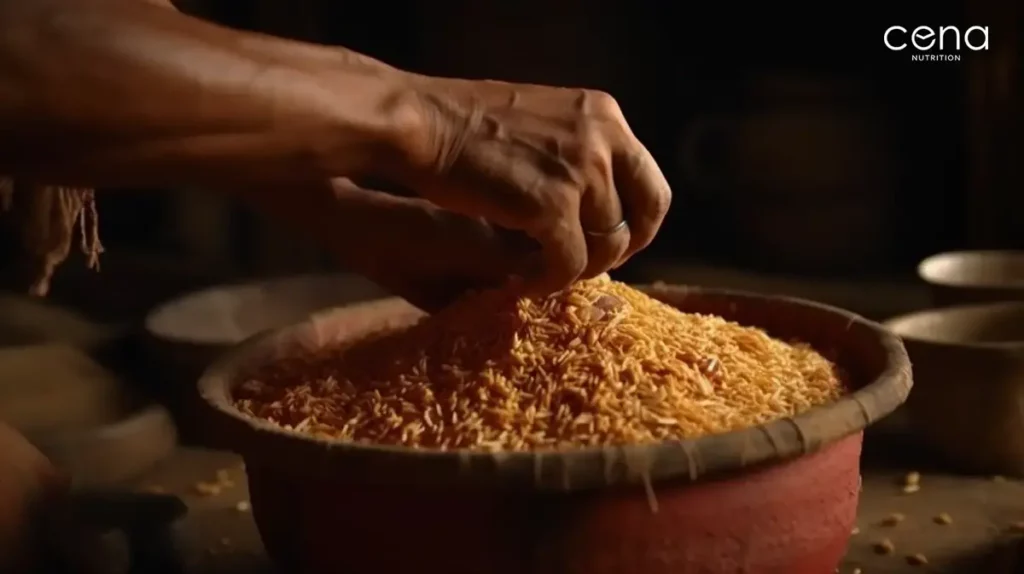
[1005, 556]
[890, 444]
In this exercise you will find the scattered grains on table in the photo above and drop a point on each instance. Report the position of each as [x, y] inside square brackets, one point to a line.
[917, 560]
[597, 364]
[222, 481]
[911, 488]
[224, 478]
[856, 571]
[943, 518]
[207, 488]
[243, 506]
[893, 519]
[884, 546]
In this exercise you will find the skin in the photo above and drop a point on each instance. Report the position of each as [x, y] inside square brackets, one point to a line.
[118, 92]
[509, 177]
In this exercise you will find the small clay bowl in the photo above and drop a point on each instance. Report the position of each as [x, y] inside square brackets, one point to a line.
[780, 498]
[194, 329]
[969, 391]
[966, 277]
[184, 335]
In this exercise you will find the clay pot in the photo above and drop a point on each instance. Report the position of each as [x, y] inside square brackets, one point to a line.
[969, 368]
[184, 335]
[780, 498]
[965, 277]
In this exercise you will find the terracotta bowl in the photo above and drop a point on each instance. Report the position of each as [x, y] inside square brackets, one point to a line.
[194, 329]
[969, 398]
[780, 498]
[965, 277]
[183, 336]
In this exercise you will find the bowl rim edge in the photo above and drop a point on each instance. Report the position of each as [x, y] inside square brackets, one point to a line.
[926, 274]
[775, 441]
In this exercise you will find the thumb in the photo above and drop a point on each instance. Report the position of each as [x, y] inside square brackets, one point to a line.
[431, 256]
[439, 238]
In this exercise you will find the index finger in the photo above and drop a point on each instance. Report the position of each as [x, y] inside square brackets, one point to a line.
[644, 192]
[563, 247]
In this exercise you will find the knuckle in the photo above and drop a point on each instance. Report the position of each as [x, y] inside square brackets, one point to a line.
[560, 202]
[537, 201]
[656, 198]
[604, 104]
[661, 203]
[590, 154]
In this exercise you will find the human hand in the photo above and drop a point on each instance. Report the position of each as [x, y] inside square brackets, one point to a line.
[559, 164]
[409, 247]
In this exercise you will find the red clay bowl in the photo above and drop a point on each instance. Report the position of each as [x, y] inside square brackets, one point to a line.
[780, 498]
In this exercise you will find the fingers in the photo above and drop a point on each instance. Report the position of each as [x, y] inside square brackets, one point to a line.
[428, 255]
[563, 245]
[632, 190]
[645, 195]
[560, 165]
[601, 216]
[477, 257]
[636, 184]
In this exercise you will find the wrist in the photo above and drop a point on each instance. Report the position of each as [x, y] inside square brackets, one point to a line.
[365, 112]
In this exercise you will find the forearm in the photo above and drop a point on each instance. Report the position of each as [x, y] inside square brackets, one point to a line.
[107, 92]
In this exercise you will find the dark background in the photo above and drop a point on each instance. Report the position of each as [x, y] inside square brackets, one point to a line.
[796, 143]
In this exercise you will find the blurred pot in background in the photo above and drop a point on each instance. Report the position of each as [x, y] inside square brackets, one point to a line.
[969, 383]
[802, 178]
[184, 335]
[961, 277]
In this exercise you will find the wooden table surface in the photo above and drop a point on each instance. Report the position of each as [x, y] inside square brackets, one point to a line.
[219, 537]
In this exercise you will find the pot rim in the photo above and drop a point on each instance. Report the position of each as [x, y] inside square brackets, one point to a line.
[927, 271]
[156, 323]
[686, 460]
[899, 324]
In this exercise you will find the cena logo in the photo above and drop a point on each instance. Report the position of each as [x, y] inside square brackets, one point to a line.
[942, 44]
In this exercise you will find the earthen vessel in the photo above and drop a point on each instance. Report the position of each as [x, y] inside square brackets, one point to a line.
[966, 277]
[780, 498]
[969, 365]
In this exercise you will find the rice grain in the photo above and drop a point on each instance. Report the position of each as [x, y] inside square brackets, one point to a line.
[598, 364]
